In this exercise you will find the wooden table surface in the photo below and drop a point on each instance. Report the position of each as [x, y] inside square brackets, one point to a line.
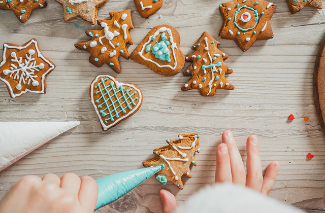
[273, 79]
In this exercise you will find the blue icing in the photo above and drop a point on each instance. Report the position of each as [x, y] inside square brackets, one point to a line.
[160, 49]
[162, 179]
[148, 48]
[115, 186]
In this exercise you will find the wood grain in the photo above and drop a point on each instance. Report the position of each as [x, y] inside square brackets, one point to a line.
[273, 79]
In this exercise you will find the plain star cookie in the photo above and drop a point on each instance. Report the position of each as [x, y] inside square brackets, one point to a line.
[22, 8]
[208, 68]
[109, 43]
[177, 158]
[147, 8]
[297, 5]
[160, 51]
[24, 68]
[85, 9]
[246, 21]
[114, 101]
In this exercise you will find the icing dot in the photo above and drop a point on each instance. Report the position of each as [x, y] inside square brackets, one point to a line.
[103, 50]
[168, 141]
[13, 54]
[90, 34]
[160, 53]
[6, 72]
[84, 47]
[121, 51]
[237, 5]
[212, 42]
[41, 65]
[165, 50]
[229, 69]
[238, 33]
[198, 136]
[220, 70]
[87, 10]
[262, 13]
[31, 52]
[229, 18]
[193, 162]
[35, 0]
[35, 83]
[156, 152]
[96, 35]
[220, 5]
[18, 86]
[200, 85]
[93, 44]
[155, 48]
[229, 8]
[112, 64]
[254, 32]
[248, 39]
[155, 1]
[186, 85]
[198, 57]
[214, 58]
[22, 11]
[256, 3]
[194, 82]
[216, 78]
[187, 71]
[198, 45]
[204, 79]
[177, 185]
[118, 44]
[96, 59]
[124, 16]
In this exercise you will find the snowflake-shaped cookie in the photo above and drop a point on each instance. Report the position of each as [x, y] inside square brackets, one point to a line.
[109, 42]
[24, 68]
[85, 9]
[22, 8]
[297, 5]
[246, 21]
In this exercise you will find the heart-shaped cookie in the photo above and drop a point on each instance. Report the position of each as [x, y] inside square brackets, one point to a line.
[147, 8]
[114, 101]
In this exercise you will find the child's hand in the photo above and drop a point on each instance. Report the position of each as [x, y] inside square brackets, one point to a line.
[230, 168]
[68, 194]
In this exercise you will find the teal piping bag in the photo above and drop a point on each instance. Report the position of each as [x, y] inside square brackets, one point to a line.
[115, 186]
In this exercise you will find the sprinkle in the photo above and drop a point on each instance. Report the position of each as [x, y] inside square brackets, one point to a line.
[291, 117]
[220, 5]
[255, 3]
[90, 34]
[187, 71]
[229, 18]
[118, 44]
[204, 79]
[262, 13]
[112, 64]
[121, 51]
[212, 42]
[214, 58]
[198, 57]
[198, 45]
[96, 59]
[69, 10]
[198, 136]
[168, 141]
[87, 10]
[254, 32]
[177, 185]
[216, 78]
[193, 162]
[156, 152]
[229, 69]
[35, 0]
[237, 5]
[96, 35]
[306, 118]
[22, 11]
[229, 8]
[310, 156]
[84, 47]
[238, 33]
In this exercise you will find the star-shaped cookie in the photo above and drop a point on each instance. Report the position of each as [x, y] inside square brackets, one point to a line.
[22, 8]
[85, 9]
[109, 42]
[24, 68]
[297, 5]
[246, 21]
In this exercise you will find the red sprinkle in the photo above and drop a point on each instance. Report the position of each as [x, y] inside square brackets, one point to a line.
[310, 156]
[291, 117]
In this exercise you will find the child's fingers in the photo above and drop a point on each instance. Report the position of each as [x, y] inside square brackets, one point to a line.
[254, 178]
[88, 193]
[269, 177]
[168, 201]
[71, 181]
[52, 178]
[237, 166]
[223, 170]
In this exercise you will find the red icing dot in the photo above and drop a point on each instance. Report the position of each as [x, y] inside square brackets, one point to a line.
[310, 156]
[291, 117]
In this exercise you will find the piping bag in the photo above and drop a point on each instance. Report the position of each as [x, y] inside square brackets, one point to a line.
[115, 186]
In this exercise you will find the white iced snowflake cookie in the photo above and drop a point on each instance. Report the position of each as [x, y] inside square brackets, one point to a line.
[24, 68]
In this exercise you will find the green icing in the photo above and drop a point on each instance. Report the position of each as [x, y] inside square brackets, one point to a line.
[84, 47]
[115, 186]
[22, 11]
[114, 105]
[117, 44]
[96, 59]
[112, 64]
[156, 152]
[255, 3]
[96, 35]
[219, 64]
[254, 32]
[216, 78]
[204, 79]
[90, 34]
[214, 58]
[148, 48]
[198, 57]
[193, 162]
[87, 10]
[212, 42]
[162, 179]
[121, 51]
[68, 10]
[155, 1]
[160, 49]
[198, 136]
[187, 71]
[168, 141]
[153, 37]
[256, 18]
[198, 44]
[229, 18]
[237, 5]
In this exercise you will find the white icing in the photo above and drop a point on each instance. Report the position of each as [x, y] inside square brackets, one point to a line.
[93, 44]
[223, 54]
[1, 2]
[214, 85]
[217, 55]
[205, 61]
[180, 137]
[248, 17]
[123, 17]
[173, 47]
[25, 67]
[229, 8]
[220, 70]
[112, 53]
[194, 67]
[124, 27]
[21, 0]
[192, 145]
[227, 84]
[194, 82]
[146, 7]
[116, 24]
[167, 161]
[103, 50]
[108, 34]
[193, 56]
[181, 153]
[229, 32]
[186, 85]
[269, 5]
[206, 48]
[244, 1]
[200, 85]
[221, 84]
[248, 39]
[104, 125]
[264, 27]
[76, 1]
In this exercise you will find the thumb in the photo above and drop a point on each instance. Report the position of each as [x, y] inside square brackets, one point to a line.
[168, 201]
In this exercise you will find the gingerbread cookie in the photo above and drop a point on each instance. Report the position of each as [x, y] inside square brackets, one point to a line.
[208, 68]
[114, 101]
[246, 21]
[24, 68]
[297, 5]
[85, 9]
[22, 8]
[109, 43]
[319, 85]
[147, 8]
[177, 158]
[160, 51]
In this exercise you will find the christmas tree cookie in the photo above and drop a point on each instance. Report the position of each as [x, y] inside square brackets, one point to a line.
[85, 9]
[160, 51]
[114, 101]
[297, 5]
[24, 68]
[109, 43]
[246, 21]
[208, 68]
[22, 8]
[177, 158]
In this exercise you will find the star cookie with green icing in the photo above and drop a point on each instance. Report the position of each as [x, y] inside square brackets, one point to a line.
[109, 42]
[177, 158]
[297, 5]
[208, 68]
[22, 8]
[246, 21]
[85, 9]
